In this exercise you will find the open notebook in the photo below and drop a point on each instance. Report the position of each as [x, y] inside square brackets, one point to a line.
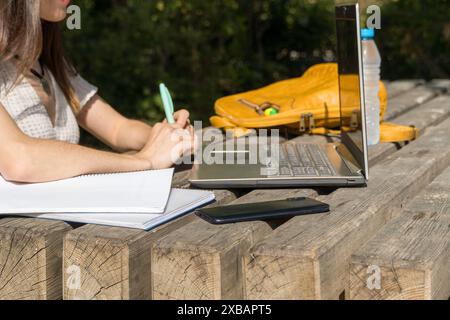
[138, 192]
[134, 200]
[181, 202]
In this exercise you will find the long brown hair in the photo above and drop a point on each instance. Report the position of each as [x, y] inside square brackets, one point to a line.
[23, 35]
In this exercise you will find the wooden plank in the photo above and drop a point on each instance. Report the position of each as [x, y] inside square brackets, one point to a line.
[165, 264]
[190, 254]
[440, 84]
[180, 178]
[408, 100]
[308, 257]
[396, 88]
[411, 254]
[422, 117]
[114, 263]
[120, 255]
[202, 261]
[31, 259]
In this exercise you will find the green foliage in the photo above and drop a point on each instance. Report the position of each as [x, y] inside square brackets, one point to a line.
[201, 49]
[415, 39]
[204, 49]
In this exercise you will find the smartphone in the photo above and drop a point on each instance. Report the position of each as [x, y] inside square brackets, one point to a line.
[271, 210]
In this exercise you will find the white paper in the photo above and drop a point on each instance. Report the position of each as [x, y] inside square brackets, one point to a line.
[138, 192]
[180, 202]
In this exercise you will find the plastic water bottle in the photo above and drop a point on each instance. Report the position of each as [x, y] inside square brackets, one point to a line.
[372, 70]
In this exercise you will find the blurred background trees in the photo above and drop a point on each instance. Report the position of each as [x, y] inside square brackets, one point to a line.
[203, 49]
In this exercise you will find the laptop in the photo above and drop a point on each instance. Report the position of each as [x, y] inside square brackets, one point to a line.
[298, 164]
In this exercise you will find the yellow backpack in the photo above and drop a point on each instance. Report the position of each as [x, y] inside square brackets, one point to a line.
[308, 105]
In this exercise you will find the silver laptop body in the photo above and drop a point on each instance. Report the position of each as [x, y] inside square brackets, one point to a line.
[307, 164]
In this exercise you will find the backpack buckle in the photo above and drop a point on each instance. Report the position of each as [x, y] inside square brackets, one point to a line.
[312, 122]
[260, 108]
[307, 119]
[354, 120]
[257, 108]
[302, 124]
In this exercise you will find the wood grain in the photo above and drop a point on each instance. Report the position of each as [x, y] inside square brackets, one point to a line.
[114, 263]
[203, 261]
[193, 260]
[440, 84]
[404, 102]
[195, 254]
[398, 87]
[422, 117]
[106, 263]
[308, 257]
[31, 259]
[412, 252]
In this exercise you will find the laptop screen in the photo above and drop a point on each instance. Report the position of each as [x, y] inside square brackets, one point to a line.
[351, 83]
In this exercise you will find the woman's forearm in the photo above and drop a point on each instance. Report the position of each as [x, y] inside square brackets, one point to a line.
[115, 130]
[132, 135]
[45, 160]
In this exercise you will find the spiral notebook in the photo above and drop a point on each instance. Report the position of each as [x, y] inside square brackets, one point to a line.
[138, 192]
[140, 200]
[181, 202]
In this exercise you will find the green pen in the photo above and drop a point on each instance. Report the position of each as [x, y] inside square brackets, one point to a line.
[167, 102]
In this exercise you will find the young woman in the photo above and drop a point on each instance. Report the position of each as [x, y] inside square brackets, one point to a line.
[43, 101]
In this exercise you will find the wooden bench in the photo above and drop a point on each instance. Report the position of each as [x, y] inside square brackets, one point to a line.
[201, 253]
[411, 254]
[306, 257]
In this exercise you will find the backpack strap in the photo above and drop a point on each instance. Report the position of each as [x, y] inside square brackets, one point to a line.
[391, 132]
[225, 124]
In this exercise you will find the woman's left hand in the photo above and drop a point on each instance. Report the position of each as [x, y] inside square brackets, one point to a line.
[182, 118]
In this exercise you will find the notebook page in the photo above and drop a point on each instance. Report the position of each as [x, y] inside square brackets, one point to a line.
[181, 202]
[139, 192]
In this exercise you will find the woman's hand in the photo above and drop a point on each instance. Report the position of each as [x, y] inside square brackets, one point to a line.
[168, 143]
[181, 118]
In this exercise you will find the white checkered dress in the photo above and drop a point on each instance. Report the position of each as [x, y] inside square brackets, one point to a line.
[31, 116]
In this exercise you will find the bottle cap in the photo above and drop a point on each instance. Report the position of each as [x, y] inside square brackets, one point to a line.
[367, 34]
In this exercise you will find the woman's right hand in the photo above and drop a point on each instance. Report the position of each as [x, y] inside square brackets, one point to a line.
[166, 145]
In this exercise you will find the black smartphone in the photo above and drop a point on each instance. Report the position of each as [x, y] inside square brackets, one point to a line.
[271, 210]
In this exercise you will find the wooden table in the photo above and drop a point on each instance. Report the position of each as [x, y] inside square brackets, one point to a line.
[390, 240]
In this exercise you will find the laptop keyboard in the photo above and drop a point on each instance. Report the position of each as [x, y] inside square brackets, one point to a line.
[305, 160]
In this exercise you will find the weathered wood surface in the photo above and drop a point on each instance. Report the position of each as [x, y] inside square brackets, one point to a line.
[114, 263]
[95, 278]
[405, 101]
[121, 256]
[105, 262]
[31, 259]
[422, 117]
[308, 257]
[108, 259]
[192, 262]
[203, 261]
[398, 87]
[440, 84]
[408, 259]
